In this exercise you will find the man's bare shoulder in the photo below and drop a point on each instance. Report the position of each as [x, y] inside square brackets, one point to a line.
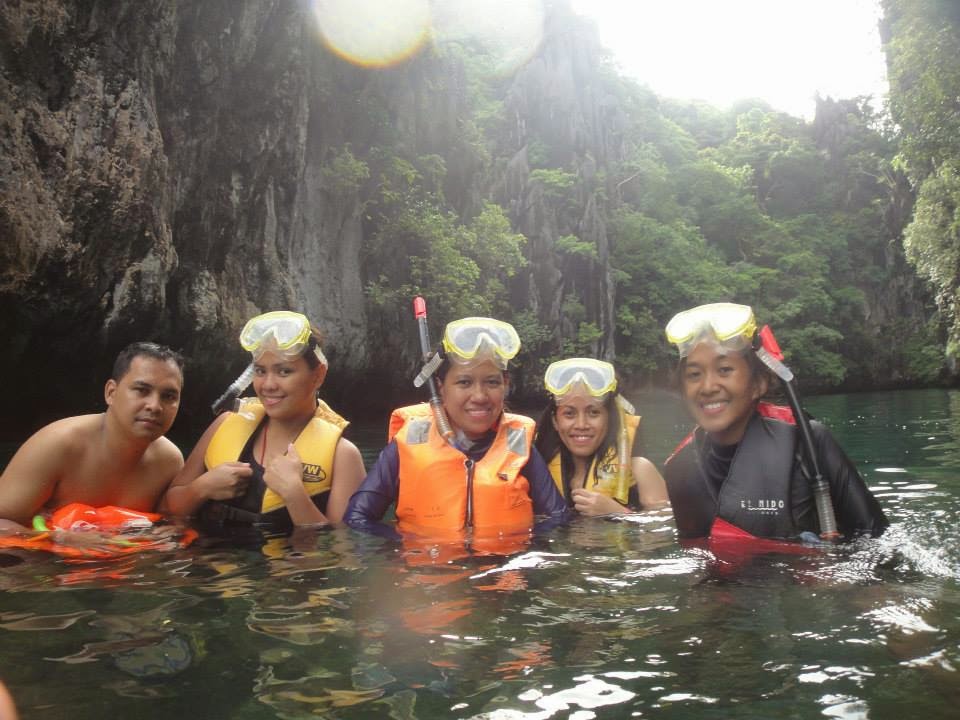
[163, 452]
[67, 436]
[34, 473]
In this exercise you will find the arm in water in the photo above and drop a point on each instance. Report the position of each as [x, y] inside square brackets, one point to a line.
[194, 484]
[31, 477]
[857, 510]
[379, 489]
[548, 503]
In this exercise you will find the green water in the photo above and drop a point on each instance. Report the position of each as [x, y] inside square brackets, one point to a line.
[600, 619]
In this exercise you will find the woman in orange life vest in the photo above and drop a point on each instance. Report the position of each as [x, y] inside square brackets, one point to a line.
[280, 459]
[740, 467]
[588, 435]
[487, 476]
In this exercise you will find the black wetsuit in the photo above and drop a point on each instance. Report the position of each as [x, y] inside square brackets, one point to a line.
[760, 485]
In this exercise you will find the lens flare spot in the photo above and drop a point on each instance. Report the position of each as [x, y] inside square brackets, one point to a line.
[373, 33]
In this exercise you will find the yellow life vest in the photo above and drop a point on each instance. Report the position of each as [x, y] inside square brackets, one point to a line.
[433, 489]
[608, 478]
[316, 445]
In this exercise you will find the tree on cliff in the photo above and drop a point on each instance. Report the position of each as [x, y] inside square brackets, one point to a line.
[922, 45]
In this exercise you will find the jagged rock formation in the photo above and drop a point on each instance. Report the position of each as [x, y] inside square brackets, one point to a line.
[558, 103]
[170, 167]
[163, 178]
[165, 175]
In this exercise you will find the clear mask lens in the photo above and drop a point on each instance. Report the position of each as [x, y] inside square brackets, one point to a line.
[283, 332]
[729, 324]
[595, 376]
[470, 337]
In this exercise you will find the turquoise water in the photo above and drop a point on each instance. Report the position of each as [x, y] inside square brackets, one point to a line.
[600, 619]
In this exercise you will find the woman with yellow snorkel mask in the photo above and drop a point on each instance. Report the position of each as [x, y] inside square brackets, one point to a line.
[280, 458]
[747, 469]
[486, 475]
[587, 434]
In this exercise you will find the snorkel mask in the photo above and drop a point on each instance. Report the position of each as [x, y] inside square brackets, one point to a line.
[283, 332]
[727, 324]
[586, 377]
[475, 339]
[580, 375]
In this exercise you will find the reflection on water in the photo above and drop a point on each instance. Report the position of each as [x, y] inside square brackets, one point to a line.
[601, 619]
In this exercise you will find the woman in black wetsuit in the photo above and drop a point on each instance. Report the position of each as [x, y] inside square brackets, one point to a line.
[740, 466]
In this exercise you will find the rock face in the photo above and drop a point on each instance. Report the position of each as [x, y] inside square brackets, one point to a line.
[167, 174]
[561, 111]
[169, 168]
[162, 170]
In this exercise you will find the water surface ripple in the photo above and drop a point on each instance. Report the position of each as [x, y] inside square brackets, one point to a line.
[601, 619]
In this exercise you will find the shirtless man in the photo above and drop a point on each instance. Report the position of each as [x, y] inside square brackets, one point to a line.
[118, 457]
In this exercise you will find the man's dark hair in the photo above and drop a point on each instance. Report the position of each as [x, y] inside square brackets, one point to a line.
[144, 349]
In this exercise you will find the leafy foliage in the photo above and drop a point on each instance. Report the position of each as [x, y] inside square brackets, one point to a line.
[922, 47]
[662, 205]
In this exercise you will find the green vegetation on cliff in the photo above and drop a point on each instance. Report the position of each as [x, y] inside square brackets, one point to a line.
[172, 168]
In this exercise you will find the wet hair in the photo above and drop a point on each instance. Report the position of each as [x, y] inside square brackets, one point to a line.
[121, 366]
[314, 341]
[444, 367]
[548, 442]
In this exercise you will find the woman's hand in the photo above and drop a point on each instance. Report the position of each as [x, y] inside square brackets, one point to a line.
[590, 502]
[284, 474]
[225, 482]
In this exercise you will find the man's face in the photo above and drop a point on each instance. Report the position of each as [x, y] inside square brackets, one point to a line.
[145, 400]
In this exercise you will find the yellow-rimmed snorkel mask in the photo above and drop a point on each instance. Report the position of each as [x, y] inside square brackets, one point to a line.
[595, 377]
[728, 324]
[281, 331]
[474, 339]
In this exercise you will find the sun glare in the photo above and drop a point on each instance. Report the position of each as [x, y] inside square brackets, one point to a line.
[379, 33]
[784, 53]
[373, 33]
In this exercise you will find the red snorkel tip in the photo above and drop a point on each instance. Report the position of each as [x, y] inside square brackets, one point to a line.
[769, 343]
[419, 307]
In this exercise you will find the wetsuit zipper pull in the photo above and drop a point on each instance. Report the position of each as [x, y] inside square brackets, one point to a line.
[469, 464]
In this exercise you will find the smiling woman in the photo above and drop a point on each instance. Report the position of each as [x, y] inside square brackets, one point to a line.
[588, 435]
[742, 468]
[280, 459]
[488, 478]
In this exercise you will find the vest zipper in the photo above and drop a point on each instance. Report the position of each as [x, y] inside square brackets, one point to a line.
[469, 464]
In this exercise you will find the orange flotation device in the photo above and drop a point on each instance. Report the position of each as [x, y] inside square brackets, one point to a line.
[129, 531]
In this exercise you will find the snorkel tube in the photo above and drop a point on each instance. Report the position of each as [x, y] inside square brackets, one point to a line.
[768, 350]
[431, 361]
[226, 401]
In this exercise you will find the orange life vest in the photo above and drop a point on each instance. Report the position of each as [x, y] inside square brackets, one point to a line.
[441, 489]
[112, 520]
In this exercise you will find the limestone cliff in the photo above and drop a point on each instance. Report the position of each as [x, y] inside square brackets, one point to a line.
[170, 167]
[162, 170]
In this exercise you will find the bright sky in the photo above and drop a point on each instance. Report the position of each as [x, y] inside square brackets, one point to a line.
[782, 51]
